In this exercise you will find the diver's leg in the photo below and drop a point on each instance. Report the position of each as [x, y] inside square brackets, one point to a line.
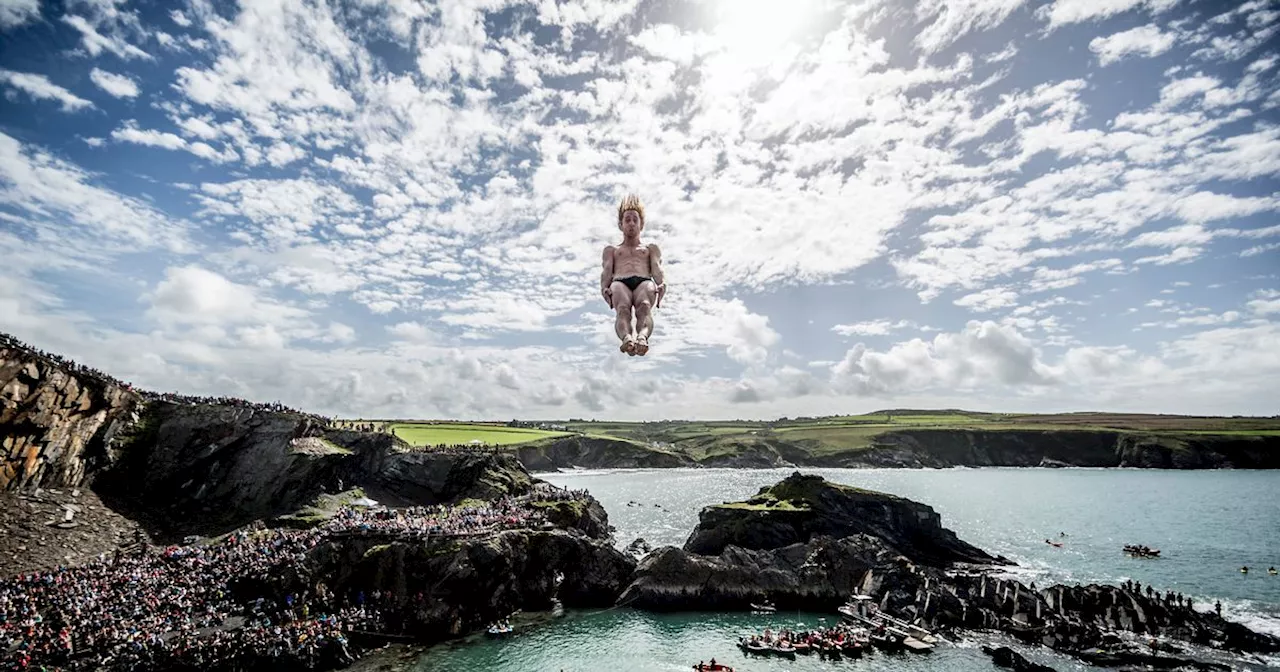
[622, 322]
[643, 302]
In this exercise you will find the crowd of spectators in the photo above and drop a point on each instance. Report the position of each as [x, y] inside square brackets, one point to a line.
[430, 521]
[185, 607]
[82, 371]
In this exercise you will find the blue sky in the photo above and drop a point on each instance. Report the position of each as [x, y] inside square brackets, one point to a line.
[396, 209]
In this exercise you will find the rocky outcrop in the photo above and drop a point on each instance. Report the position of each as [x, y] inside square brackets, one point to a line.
[1079, 620]
[801, 507]
[54, 425]
[596, 453]
[448, 588]
[207, 469]
[1006, 657]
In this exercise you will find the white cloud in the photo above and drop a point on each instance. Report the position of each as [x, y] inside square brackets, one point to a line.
[956, 18]
[983, 353]
[1266, 303]
[153, 138]
[1145, 40]
[40, 88]
[194, 295]
[14, 13]
[50, 192]
[988, 299]
[880, 327]
[1064, 12]
[96, 42]
[119, 86]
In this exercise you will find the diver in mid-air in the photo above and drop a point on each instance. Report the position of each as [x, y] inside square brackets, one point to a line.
[632, 280]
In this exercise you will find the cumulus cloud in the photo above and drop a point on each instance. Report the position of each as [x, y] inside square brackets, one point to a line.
[982, 354]
[119, 86]
[40, 88]
[1145, 40]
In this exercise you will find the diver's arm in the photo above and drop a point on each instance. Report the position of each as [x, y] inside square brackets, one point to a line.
[656, 272]
[606, 275]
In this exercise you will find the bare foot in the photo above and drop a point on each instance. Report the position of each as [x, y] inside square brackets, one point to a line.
[642, 346]
[628, 346]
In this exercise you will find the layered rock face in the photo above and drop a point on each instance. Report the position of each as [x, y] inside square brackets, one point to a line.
[55, 425]
[801, 507]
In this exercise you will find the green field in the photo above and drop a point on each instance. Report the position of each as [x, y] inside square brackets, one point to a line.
[427, 434]
[700, 440]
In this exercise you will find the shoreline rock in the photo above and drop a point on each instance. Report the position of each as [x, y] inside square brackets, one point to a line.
[801, 507]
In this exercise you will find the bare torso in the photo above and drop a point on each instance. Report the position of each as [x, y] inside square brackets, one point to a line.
[631, 260]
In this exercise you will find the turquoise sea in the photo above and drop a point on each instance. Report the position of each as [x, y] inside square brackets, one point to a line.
[1207, 524]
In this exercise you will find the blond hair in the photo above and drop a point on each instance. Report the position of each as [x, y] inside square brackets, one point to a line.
[631, 202]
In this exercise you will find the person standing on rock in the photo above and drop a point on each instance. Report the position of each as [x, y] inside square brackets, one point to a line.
[632, 280]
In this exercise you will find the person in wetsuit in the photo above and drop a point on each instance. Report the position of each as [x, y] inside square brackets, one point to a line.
[631, 280]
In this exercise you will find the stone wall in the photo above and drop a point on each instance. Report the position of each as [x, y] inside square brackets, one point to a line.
[55, 426]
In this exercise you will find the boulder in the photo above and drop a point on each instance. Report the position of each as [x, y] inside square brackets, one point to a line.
[1006, 657]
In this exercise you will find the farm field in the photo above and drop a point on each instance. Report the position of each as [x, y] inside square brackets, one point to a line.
[428, 434]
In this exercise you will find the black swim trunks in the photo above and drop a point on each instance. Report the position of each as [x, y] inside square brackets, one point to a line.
[632, 281]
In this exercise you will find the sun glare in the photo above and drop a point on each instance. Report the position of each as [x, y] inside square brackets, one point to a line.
[754, 33]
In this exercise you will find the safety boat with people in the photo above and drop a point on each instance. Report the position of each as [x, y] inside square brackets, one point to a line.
[1141, 551]
[712, 666]
[500, 629]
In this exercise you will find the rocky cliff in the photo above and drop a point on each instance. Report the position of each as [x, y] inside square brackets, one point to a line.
[55, 426]
[801, 507]
[595, 453]
[207, 469]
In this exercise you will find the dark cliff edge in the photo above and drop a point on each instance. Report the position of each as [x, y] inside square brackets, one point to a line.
[594, 453]
[936, 448]
[209, 469]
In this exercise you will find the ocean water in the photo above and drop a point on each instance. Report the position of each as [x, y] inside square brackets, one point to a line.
[1207, 524]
